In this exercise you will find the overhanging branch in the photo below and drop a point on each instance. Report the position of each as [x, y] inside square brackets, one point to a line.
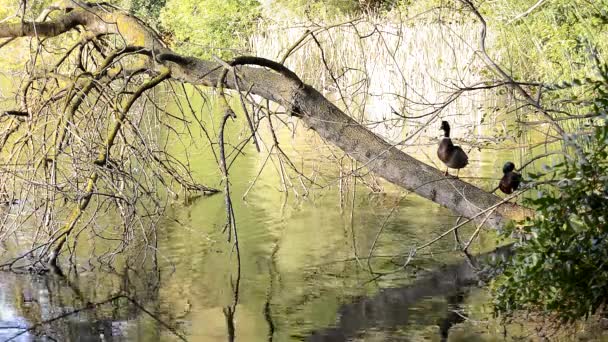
[331, 123]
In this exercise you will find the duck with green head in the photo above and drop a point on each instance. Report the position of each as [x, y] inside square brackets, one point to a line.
[452, 156]
[510, 180]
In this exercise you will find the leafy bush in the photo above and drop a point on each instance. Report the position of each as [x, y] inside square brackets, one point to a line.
[205, 27]
[562, 269]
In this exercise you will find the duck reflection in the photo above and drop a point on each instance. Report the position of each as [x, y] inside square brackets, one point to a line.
[453, 316]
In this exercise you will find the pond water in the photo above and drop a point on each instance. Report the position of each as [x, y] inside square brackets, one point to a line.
[323, 262]
[304, 272]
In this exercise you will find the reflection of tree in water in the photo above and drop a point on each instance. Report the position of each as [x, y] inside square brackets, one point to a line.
[390, 308]
[61, 307]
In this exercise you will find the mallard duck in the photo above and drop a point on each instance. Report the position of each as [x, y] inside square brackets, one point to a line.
[452, 156]
[511, 179]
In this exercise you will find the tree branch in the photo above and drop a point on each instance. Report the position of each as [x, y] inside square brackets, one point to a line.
[320, 115]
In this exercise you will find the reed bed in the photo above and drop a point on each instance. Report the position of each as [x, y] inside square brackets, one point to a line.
[395, 78]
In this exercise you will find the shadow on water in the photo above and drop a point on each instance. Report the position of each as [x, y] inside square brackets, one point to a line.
[389, 309]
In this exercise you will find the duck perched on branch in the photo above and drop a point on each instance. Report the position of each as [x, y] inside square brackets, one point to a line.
[452, 156]
[510, 180]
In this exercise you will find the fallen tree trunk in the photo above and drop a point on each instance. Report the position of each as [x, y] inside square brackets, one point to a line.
[308, 104]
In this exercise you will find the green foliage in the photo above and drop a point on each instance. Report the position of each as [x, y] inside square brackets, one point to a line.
[147, 9]
[205, 27]
[316, 9]
[562, 269]
[328, 9]
[553, 41]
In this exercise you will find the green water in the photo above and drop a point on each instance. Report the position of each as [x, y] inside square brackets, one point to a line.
[304, 271]
[304, 261]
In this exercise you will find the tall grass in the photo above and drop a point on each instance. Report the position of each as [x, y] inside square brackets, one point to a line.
[373, 68]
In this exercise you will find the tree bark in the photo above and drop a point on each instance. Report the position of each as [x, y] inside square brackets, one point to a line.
[308, 104]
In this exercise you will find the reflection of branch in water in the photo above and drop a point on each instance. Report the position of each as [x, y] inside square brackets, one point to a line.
[54, 284]
[230, 310]
[160, 321]
[272, 272]
[391, 307]
[88, 306]
[268, 318]
[93, 306]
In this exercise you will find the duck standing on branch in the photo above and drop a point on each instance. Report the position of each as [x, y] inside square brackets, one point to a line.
[452, 156]
[511, 179]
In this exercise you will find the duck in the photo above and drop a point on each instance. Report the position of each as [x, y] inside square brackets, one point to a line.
[452, 156]
[510, 180]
